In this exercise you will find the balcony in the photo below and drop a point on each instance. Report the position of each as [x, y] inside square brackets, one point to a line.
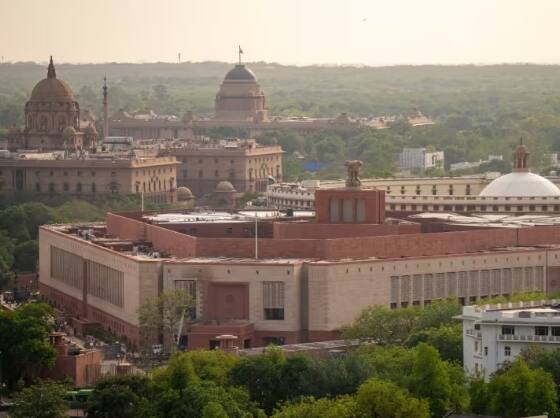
[530, 338]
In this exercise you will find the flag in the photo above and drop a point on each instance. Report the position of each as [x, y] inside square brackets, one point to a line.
[240, 50]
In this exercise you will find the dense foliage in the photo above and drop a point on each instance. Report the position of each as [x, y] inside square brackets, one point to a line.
[24, 345]
[44, 400]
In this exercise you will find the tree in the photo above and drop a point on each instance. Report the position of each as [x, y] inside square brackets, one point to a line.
[430, 379]
[121, 397]
[438, 313]
[165, 312]
[43, 400]
[309, 407]
[261, 375]
[377, 398]
[519, 391]
[214, 365]
[214, 410]
[383, 325]
[447, 339]
[537, 357]
[24, 345]
[26, 256]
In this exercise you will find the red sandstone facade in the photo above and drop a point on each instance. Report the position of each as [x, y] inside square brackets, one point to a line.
[311, 277]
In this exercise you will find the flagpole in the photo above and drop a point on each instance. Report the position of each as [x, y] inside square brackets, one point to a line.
[256, 238]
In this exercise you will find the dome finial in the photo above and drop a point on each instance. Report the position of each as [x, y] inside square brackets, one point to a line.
[51, 73]
[521, 157]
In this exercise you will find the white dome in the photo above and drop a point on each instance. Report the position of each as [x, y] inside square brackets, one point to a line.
[520, 184]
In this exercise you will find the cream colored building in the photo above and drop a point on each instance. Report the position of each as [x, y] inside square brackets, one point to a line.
[247, 165]
[104, 278]
[52, 174]
[94, 282]
[302, 195]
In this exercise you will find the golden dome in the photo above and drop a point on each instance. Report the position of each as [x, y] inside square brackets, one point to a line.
[51, 89]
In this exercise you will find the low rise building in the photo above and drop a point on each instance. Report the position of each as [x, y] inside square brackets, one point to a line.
[245, 164]
[420, 158]
[55, 174]
[287, 279]
[494, 335]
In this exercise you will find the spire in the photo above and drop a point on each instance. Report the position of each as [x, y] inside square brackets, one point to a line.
[240, 52]
[520, 158]
[105, 108]
[51, 73]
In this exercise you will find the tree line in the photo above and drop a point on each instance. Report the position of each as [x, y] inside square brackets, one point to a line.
[408, 365]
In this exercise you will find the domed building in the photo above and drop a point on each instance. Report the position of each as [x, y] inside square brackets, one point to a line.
[224, 195]
[240, 97]
[51, 109]
[520, 182]
[185, 198]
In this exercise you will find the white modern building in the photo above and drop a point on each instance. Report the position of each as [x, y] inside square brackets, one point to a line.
[421, 158]
[495, 334]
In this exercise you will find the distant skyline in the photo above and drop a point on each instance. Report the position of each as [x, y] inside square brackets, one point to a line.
[297, 32]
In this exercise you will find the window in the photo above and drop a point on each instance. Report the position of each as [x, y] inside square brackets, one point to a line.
[37, 187]
[273, 300]
[508, 330]
[507, 351]
[485, 351]
[51, 187]
[79, 187]
[93, 187]
[66, 174]
[541, 331]
[79, 173]
[93, 173]
[200, 173]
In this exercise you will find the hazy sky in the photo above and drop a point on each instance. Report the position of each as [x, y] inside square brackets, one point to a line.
[286, 31]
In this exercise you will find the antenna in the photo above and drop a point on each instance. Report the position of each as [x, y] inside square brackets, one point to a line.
[179, 58]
